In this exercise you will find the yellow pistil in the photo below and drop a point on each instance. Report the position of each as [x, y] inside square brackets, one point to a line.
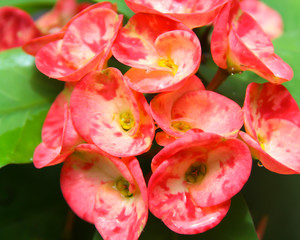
[195, 172]
[168, 63]
[126, 121]
[181, 126]
[122, 185]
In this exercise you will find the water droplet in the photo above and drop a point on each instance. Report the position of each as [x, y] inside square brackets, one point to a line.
[259, 163]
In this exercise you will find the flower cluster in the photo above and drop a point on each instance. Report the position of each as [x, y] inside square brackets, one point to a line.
[101, 120]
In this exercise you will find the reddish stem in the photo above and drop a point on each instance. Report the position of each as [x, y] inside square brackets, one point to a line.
[220, 76]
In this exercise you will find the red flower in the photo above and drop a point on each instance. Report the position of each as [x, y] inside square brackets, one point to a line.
[194, 179]
[106, 191]
[272, 123]
[161, 52]
[192, 107]
[238, 43]
[81, 50]
[106, 112]
[58, 134]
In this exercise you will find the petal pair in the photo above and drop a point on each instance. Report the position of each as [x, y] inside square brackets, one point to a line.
[192, 107]
[106, 191]
[194, 179]
[238, 43]
[106, 112]
[162, 52]
[59, 136]
[81, 50]
[272, 121]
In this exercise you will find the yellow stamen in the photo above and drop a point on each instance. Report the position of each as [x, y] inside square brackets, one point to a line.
[168, 63]
[181, 126]
[126, 121]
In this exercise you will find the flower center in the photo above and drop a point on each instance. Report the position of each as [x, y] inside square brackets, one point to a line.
[195, 172]
[126, 120]
[181, 126]
[168, 63]
[122, 185]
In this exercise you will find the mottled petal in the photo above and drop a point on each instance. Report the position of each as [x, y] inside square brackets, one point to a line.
[226, 166]
[183, 48]
[82, 44]
[211, 112]
[253, 50]
[16, 28]
[192, 13]
[219, 39]
[46, 156]
[266, 160]
[161, 105]
[145, 81]
[54, 124]
[50, 62]
[117, 217]
[265, 101]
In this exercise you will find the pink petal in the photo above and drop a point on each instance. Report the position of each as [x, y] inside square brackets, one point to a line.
[227, 162]
[191, 13]
[170, 200]
[134, 45]
[213, 113]
[281, 141]
[120, 218]
[253, 50]
[183, 48]
[219, 39]
[44, 156]
[54, 124]
[268, 162]
[50, 62]
[161, 105]
[268, 19]
[16, 28]
[151, 82]
[82, 44]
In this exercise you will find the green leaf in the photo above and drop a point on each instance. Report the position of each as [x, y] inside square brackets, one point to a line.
[237, 225]
[26, 2]
[288, 46]
[25, 97]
